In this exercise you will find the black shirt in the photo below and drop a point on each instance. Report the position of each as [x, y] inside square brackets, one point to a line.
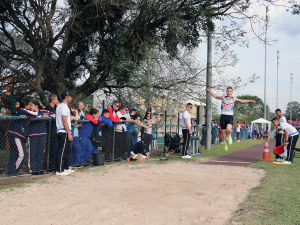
[51, 109]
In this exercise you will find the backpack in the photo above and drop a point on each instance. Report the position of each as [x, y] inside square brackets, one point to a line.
[140, 148]
[176, 138]
[168, 139]
[97, 140]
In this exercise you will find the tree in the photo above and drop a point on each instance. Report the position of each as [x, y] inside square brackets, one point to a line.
[293, 107]
[90, 44]
[249, 112]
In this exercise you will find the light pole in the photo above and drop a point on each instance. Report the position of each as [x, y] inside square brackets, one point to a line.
[277, 80]
[291, 99]
[265, 88]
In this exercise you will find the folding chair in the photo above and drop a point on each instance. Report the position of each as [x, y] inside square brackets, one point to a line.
[296, 154]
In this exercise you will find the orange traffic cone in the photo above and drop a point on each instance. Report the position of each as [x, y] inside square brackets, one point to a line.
[266, 155]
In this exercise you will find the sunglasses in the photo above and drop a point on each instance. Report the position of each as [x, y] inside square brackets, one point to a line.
[117, 106]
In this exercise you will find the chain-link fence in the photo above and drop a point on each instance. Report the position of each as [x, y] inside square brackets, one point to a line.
[28, 145]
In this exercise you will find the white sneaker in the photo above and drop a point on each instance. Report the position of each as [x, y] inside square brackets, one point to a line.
[186, 157]
[65, 173]
[279, 160]
[286, 162]
[70, 171]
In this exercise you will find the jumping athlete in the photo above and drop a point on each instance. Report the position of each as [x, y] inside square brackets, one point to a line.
[227, 108]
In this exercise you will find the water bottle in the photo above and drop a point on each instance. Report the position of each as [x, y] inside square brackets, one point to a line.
[22, 129]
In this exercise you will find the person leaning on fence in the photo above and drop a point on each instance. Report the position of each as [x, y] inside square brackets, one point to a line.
[37, 138]
[87, 149]
[113, 112]
[186, 130]
[16, 134]
[148, 135]
[64, 136]
[75, 144]
[53, 103]
[128, 123]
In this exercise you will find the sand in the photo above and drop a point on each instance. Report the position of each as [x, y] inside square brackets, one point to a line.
[171, 193]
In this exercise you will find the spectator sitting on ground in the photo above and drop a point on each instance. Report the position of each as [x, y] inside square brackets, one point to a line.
[53, 103]
[81, 107]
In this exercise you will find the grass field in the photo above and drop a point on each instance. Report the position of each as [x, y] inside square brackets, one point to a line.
[276, 200]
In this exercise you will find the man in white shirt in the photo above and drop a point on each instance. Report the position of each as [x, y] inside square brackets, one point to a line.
[291, 137]
[64, 136]
[186, 130]
[279, 133]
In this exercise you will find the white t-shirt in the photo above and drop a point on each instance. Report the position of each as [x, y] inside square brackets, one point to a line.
[62, 110]
[149, 124]
[186, 115]
[120, 126]
[291, 130]
[283, 120]
[238, 128]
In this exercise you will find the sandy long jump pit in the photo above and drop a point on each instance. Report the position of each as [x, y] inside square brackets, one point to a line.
[170, 193]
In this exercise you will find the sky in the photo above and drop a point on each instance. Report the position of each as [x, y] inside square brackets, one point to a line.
[286, 29]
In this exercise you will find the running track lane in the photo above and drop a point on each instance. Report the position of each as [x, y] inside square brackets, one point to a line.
[244, 157]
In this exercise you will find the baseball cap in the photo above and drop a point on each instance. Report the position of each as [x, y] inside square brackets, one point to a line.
[129, 107]
[66, 93]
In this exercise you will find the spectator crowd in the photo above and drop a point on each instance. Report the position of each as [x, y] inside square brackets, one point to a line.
[71, 133]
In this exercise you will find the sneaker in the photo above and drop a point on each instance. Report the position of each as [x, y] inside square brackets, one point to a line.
[230, 140]
[70, 171]
[186, 157]
[238, 141]
[225, 147]
[279, 160]
[286, 162]
[65, 173]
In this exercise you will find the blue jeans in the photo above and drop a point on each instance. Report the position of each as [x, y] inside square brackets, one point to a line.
[135, 139]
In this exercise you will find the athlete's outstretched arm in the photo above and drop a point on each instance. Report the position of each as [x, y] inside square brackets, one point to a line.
[244, 100]
[213, 94]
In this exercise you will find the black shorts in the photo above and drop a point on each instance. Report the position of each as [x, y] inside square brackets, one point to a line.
[226, 119]
[237, 133]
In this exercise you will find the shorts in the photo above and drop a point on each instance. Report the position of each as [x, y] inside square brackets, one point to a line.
[237, 133]
[226, 119]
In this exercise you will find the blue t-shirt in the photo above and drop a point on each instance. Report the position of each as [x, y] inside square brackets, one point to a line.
[128, 127]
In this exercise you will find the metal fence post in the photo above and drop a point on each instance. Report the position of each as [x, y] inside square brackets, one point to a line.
[12, 99]
[178, 123]
[113, 152]
[103, 104]
[48, 152]
[165, 122]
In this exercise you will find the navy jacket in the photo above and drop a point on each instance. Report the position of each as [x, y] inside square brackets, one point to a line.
[20, 127]
[38, 126]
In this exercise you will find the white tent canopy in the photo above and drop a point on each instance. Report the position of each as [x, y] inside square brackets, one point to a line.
[262, 121]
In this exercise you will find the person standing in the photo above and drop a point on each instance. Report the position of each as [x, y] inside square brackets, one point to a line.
[213, 132]
[186, 130]
[64, 136]
[238, 130]
[227, 108]
[81, 107]
[291, 137]
[279, 133]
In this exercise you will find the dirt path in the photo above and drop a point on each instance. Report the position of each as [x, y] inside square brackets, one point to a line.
[171, 193]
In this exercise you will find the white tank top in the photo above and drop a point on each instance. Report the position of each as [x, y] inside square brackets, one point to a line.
[227, 106]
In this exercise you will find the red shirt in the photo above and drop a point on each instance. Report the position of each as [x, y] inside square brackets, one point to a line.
[113, 116]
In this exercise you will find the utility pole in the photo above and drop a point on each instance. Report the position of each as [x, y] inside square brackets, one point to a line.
[277, 80]
[208, 85]
[265, 88]
[291, 99]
